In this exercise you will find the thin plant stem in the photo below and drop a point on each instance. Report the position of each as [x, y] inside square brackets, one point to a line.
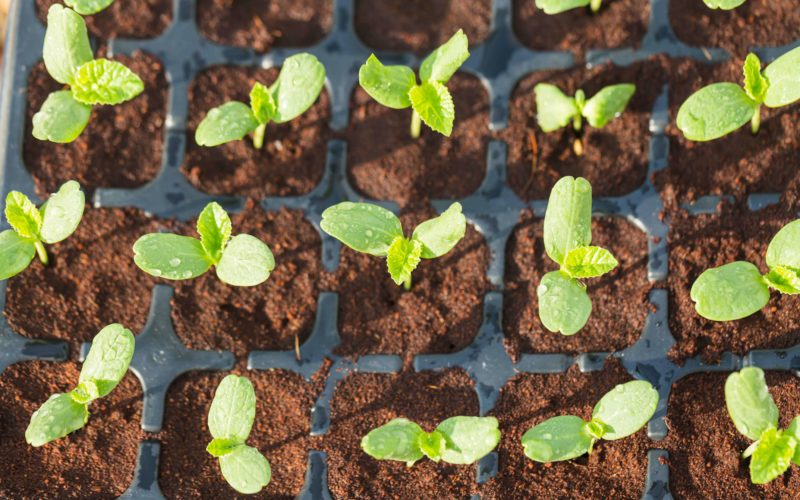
[407, 283]
[258, 136]
[755, 121]
[416, 124]
[41, 252]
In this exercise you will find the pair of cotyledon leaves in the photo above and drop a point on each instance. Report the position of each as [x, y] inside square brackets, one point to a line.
[107, 362]
[755, 415]
[564, 305]
[457, 440]
[554, 109]
[737, 290]
[619, 413]
[720, 108]
[396, 86]
[243, 260]
[558, 6]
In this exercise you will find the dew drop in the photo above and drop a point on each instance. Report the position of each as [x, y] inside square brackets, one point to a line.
[369, 233]
[298, 81]
[620, 388]
[175, 262]
[186, 275]
[156, 273]
[547, 436]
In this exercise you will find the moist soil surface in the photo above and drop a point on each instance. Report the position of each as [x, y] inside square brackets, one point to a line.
[95, 462]
[121, 146]
[614, 324]
[293, 157]
[697, 243]
[127, 19]
[420, 25]
[615, 469]
[385, 163]
[615, 157]
[363, 402]
[705, 448]
[263, 24]
[618, 24]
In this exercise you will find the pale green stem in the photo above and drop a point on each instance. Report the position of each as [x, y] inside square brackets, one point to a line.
[41, 252]
[416, 124]
[258, 136]
[577, 145]
[595, 5]
[755, 121]
[407, 283]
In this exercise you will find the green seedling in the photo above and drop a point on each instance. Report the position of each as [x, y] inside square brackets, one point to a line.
[88, 7]
[396, 86]
[720, 108]
[555, 110]
[54, 221]
[69, 60]
[243, 260]
[376, 231]
[755, 415]
[564, 305]
[107, 362]
[724, 4]
[230, 420]
[457, 440]
[558, 6]
[737, 290]
[298, 85]
[620, 413]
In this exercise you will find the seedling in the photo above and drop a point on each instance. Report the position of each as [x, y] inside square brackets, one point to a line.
[457, 440]
[621, 412]
[755, 415]
[737, 290]
[69, 60]
[564, 305]
[724, 4]
[297, 87]
[376, 231]
[243, 260]
[396, 86]
[558, 6]
[555, 110]
[720, 108]
[54, 221]
[88, 7]
[106, 364]
[230, 420]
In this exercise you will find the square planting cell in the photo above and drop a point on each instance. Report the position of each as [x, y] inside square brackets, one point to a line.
[128, 19]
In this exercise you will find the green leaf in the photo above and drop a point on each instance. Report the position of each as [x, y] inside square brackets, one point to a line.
[108, 359]
[88, 7]
[62, 213]
[468, 439]
[589, 262]
[247, 261]
[730, 292]
[222, 446]
[396, 440]
[57, 417]
[171, 256]
[432, 444]
[66, 44]
[794, 431]
[608, 104]
[23, 215]
[246, 470]
[434, 104]
[554, 109]
[626, 408]
[749, 402]
[784, 79]
[297, 87]
[389, 85]
[103, 81]
[61, 118]
[568, 218]
[557, 439]
[363, 227]
[715, 111]
[564, 306]
[772, 456]
[402, 258]
[440, 234]
[723, 4]
[755, 85]
[233, 409]
[557, 6]
[262, 103]
[783, 280]
[443, 62]
[214, 227]
[16, 253]
[784, 249]
[229, 122]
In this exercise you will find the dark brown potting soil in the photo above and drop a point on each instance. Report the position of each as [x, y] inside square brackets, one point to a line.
[705, 448]
[363, 402]
[94, 462]
[121, 146]
[261, 25]
[615, 157]
[128, 19]
[614, 469]
[619, 299]
[420, 25]
[292, 160]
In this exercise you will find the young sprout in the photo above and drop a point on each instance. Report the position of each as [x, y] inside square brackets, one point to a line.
[755, 415]
[376, 231]
[54, 221]
[106, 364]
[737, 290]
[555, 110]
[69, 60]
[230, 419]
[564, 305]
[720, 108]
[243, 260]
[294, 91]
[396, 86]
[621, 412]
[558, 6]
[88, 7]
[724, 4]
[457, 440]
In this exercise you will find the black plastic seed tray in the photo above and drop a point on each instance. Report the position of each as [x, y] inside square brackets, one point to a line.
[500, 62]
